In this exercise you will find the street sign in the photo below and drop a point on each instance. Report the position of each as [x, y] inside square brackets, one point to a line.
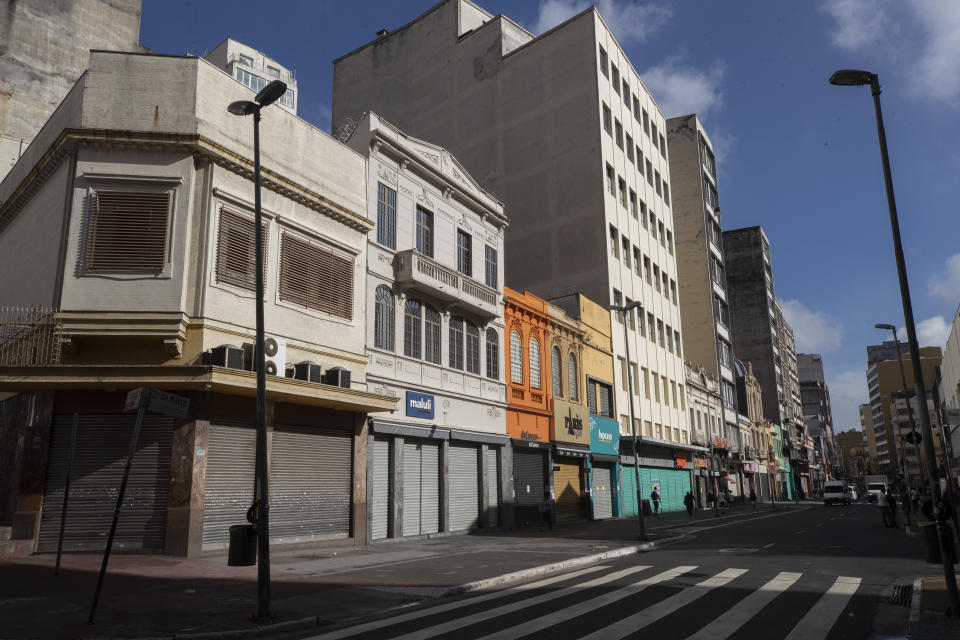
[953, 417]
[157, 401]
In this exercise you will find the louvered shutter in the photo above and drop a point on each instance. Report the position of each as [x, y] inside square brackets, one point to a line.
[315, 277]
[236, 256]
[602, 490]
[380, 507]
[128, 232]
[493, 487]
[231, 459]
[464, 495]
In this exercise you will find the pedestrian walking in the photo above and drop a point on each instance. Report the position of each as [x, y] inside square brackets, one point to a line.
[884, 506]
[728, 498]
[688, 503]
[655, 499]
[753, 499]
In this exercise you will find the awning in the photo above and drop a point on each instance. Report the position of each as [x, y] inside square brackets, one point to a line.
[604, 457]
[571, 450]
[408, 429]
[644, 440]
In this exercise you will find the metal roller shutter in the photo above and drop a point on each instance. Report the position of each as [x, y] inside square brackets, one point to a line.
[231, 461]
[629, 484]
[311, 478]
[493, 487]
[566, 482]
[421, 487]
[380, 509]
[103, 441]
[602, 490]
[464, 498]
[528, 485]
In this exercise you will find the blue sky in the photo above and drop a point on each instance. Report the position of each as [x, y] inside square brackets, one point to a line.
[795, 155]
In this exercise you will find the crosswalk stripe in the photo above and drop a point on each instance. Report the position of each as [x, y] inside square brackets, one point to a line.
[630, 624]
[420, 613]
[459, 623]
[582, 608]
[822, 616]
[737, 615]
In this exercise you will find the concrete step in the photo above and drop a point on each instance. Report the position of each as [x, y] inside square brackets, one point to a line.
[16, 548]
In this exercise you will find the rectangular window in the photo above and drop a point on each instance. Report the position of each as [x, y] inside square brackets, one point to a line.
[646, 382]
[456, 342]
[636, 109]
[610, 186]
[273, 71]
[253, 81]
[490, 266]
[236, 257]
[613, 242]
[646, 122]
[464, 253]
[673, 291]
[619, 135]
[315, 278]
[656, 277]
[431, 334]
[683, 400]
[424, 232]
[642, 322]
[670, 241]
[660, 339]
[663, 146]
[650, 324]
[636, 261]
[128, 232]
[648, 428]
[623, 373]
[607, 120]
[666, 391]
[666, 280]
[386, 216]
[615, 79]
[636, 380]
[646, 269]
[656, 386]
[657, 181]
[247, 60]
[603, 62]
[676, 339]
[666, 193]
[625, 250]
[663, 237]
[630, 314]
[629, 147]
[626, 95]
[649, 172]
[633, 203]
[729, 395]
[622, 184]
[618, 301]
[653, 134]
[669, 339]
[639, 160]
[643, 213]
[473, 350]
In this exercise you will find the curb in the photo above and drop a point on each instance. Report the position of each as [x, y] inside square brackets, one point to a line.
[523, 574]
[229, 634]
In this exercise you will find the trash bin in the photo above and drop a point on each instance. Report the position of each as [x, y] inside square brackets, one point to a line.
[647, 510]
[931, 545]
[243, 546]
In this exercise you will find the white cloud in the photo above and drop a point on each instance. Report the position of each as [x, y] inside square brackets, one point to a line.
[813, 331]
[723, 142]
[848, 390]
[630, 21]
[680, 89]
[932, 332]
[946, 284]
[935, 73]
[859, 23]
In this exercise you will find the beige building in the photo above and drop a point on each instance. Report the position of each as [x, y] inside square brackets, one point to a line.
[706, 425]
[584, 174]
[130, 221]
[869, 436]
[255, 70]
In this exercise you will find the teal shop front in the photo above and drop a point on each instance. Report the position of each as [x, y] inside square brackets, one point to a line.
[604, 467]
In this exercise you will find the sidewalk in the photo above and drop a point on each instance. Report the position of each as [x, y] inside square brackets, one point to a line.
[153, 596]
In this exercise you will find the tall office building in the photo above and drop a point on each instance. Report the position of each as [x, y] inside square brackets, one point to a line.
[816, 411]
[869, 436]
[561, 128]
[255, 70]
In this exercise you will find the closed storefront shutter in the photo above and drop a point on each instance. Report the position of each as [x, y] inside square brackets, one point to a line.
[421, 487]
[103, 442]
[566, 483]
[464, 500]
[310, 483]
[528, 485]
[493, 487]
[629, 480]
[231, 459]
[602, 490]
[380, 509]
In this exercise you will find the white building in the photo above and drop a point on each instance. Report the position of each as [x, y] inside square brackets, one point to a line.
[434, 338]
[255, 70]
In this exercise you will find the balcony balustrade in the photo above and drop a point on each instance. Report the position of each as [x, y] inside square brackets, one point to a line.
[420, 273]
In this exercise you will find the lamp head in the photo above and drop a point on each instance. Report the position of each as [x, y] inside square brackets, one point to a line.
[242, 107]
[271, 93]
[886, 327]
[851, 78]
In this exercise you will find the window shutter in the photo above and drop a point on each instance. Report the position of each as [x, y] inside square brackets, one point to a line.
[315, 278]
[235, 250]
[128, 232]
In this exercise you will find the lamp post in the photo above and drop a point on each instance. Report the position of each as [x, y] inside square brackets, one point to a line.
[625, 309]
[857, 78]
[261, 497]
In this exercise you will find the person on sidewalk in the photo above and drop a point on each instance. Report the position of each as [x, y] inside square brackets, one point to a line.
[753, 499]
[728, 498]
[688, 503]
[655, 499]
[884, 506]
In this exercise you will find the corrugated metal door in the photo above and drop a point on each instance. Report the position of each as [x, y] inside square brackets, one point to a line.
[602, 490]
[528, 485]
[493, 487]
[310, 483]
[629, 492]
[231, 460]
[380, 493]
[464, 499]
[103, 441]
[421, 487]
[566, 482]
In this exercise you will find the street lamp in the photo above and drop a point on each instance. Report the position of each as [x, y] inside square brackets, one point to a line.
[625, 309]
[851, 77]
[261, 499]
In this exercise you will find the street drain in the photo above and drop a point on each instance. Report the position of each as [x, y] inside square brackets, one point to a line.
[902, 595]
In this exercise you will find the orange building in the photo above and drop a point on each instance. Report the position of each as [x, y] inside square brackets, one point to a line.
[527, 323]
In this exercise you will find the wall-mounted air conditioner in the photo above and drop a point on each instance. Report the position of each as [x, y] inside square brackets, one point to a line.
[274, 356]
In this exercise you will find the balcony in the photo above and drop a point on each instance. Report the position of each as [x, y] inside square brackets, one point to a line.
[420, 273]
[288, 77]
[29, 336]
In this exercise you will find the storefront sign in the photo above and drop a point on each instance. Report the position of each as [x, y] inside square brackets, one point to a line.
[571, 423]
[749, 467]
[700, 463]
[157, 401]
[719, 442]
[419, 405]
[604, 436]
[681, 462]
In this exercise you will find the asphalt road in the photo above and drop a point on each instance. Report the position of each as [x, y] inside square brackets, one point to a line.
[819, 572]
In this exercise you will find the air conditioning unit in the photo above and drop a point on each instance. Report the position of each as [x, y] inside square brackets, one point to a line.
[274, 356]
[338, 377]
[226, 355]
[309, 371]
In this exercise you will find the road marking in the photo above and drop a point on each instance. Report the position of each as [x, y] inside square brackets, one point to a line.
[767, 546]
[740, 613]
[630, 624]
[459, 623]
[822, 616]
[413, 615]
[739, 550]
[582, 608]
[819, 524]
[801, 531]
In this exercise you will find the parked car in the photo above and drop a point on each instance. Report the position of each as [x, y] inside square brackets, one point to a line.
[835, 491]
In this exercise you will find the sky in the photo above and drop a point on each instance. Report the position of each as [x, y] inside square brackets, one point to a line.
[795, 155]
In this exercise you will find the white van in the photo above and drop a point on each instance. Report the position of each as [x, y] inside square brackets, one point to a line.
[835, 491]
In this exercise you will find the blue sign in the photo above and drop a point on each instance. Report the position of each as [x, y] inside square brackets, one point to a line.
[419, 405]
[604, 436]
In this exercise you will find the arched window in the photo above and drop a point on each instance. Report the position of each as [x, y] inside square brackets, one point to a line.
[516, 358]
[456, 342]
[534, 363]
[555, 373]
[572, 378]
[431, 337]
[383, 319]
[493, 354]
[473, 348]
[411, 329]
